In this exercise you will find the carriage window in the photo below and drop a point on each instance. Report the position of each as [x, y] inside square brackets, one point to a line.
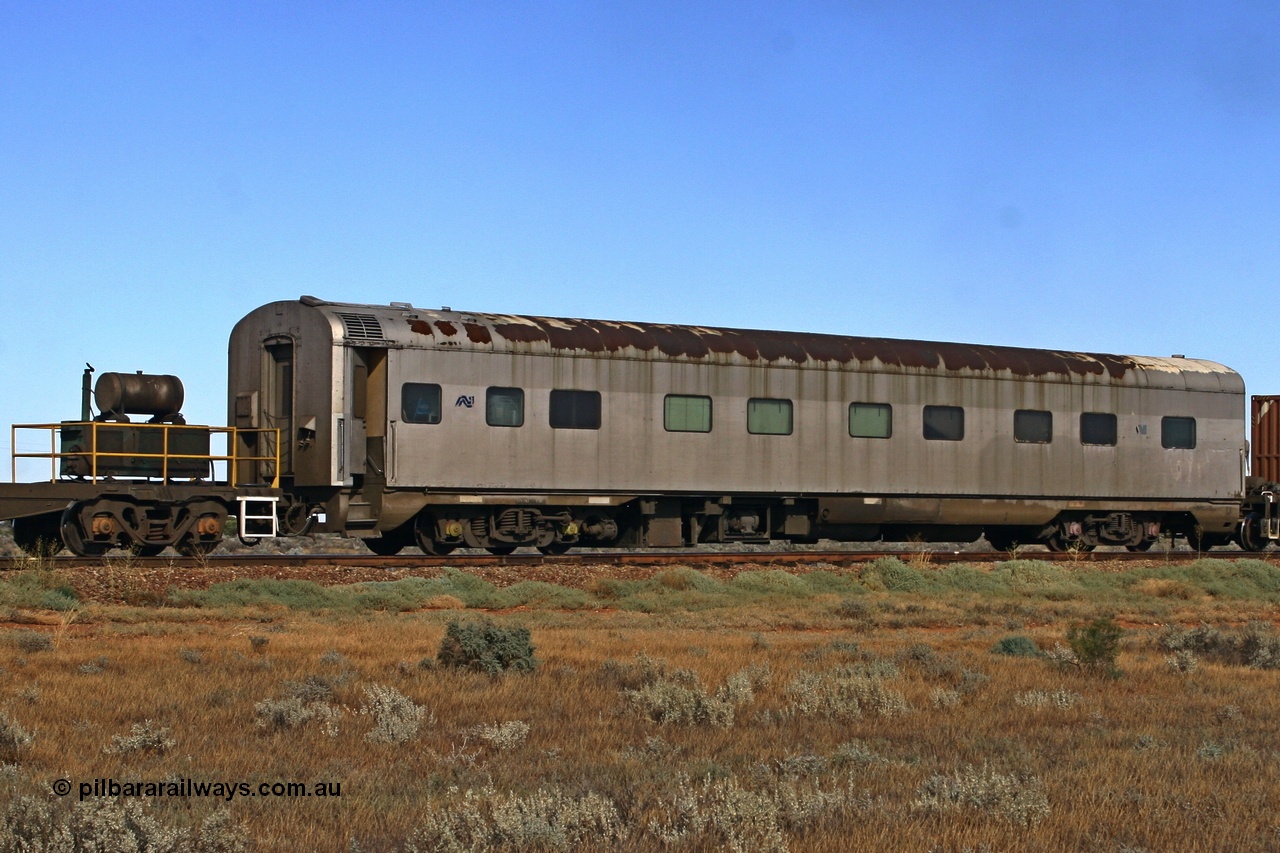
[768, 417]
[1032, 427]
[944, 423]
[1178, 433]
[419, 403]
[504, 407]
[870, 420]
[575, 410]
[1098, 428]
[681, 413]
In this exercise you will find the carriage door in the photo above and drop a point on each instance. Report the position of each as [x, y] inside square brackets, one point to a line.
[415, 407]
[277, 400]
[368, 417]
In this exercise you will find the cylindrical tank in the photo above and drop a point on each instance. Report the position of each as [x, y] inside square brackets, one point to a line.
[138, 394]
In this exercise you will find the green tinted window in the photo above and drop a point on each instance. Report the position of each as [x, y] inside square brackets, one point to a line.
[681, 413]
[870, 420]
[769, 417]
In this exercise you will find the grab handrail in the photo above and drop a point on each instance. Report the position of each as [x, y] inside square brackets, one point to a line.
[92, 454]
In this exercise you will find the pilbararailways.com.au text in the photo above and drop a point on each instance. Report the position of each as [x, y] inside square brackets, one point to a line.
[195, 788]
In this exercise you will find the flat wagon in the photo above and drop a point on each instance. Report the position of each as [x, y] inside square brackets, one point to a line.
[142, 486]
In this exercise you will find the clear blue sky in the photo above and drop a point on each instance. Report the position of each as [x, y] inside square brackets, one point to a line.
[1083, 176]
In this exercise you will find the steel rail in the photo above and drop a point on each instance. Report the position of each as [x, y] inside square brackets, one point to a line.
[691, 558]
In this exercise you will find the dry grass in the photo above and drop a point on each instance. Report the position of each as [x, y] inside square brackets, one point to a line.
[1165, 588]
[886, 723]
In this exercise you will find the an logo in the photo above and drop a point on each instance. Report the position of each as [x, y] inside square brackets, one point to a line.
[465, 400]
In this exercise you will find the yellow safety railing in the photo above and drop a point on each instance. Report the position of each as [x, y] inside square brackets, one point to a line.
[92, 454]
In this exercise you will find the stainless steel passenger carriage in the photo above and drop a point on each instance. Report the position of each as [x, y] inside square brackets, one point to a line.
[446, 429]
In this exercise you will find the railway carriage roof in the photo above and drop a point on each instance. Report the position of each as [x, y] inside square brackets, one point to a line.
[406, 326]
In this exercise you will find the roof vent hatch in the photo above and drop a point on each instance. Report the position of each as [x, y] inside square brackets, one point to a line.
[361, 327]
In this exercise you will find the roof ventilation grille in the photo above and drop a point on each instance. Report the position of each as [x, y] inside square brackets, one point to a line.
[362, 327]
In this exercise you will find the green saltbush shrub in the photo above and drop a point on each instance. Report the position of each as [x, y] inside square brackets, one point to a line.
[1016, 646]
[484, 646]
[1096, 646]
[892, 574]
[36, 589]
[1255, 645]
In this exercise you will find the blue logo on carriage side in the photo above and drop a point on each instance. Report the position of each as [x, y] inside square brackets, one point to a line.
[465, 400]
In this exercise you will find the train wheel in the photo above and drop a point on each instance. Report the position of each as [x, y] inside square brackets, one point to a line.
[38, 535]
[1200, 542]
[1057, 541]
[1000, 540]
[424, 534]
[555, 548]
[385, 545]
[433, 548]
[74, 539]
[1250, 536]
[501, 550]
[194, 548]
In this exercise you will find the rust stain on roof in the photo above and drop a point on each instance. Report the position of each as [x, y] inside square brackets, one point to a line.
[697, 342]
[477, 334]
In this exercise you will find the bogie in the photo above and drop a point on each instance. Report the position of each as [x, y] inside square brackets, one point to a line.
[38, 536]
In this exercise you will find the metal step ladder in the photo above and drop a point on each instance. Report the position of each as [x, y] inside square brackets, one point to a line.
[257, 517]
